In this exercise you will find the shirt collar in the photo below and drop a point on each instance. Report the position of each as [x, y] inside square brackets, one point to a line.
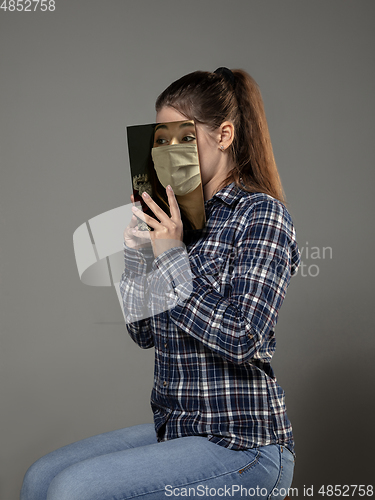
[228, 194]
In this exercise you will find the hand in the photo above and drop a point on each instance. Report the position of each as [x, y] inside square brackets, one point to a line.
[167, 231]
[134, 238]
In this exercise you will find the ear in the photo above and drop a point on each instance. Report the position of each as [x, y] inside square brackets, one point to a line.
[226, 130]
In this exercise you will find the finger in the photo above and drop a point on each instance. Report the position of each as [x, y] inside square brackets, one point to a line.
[173, 205]
[132, 224]
[145, 218]
[128, 232]
[159, 213]
[133, 221]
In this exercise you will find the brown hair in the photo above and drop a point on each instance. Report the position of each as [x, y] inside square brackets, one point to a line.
[212, 98]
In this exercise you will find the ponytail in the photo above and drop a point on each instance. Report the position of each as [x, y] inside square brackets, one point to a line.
[255, 167]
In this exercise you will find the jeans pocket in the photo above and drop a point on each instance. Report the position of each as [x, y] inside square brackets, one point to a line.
[252, 456]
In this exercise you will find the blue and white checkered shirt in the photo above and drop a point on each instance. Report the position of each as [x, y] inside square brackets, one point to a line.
[215, 339]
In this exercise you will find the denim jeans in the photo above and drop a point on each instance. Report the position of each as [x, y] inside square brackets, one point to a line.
[129, 463]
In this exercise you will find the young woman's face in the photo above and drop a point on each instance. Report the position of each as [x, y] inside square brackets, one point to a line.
[207, 144]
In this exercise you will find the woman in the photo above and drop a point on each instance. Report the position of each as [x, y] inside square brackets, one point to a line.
[220, 420]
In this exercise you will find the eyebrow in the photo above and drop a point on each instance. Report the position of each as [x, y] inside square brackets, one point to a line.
[160, 126]
[185, 124]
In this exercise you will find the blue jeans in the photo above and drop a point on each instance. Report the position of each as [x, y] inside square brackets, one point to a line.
[129, 463]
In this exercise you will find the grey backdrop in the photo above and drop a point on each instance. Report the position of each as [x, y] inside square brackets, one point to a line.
[71, 81]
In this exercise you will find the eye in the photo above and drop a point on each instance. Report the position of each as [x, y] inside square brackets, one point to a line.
[188, 138]
[160, 141]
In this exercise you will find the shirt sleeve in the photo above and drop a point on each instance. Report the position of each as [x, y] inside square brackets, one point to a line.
[237, 324]
[151, 286]
[132, 286]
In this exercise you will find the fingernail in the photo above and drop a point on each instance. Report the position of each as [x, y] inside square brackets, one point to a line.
[170, 188]
[145, 195]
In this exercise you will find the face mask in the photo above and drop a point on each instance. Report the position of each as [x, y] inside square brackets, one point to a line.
[177, 165]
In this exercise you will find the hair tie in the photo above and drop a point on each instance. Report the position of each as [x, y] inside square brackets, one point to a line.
[227, 75]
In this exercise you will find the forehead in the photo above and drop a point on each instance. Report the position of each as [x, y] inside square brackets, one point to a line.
[168, 114]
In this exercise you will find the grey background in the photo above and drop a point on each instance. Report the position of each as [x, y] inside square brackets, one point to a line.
[71, 81]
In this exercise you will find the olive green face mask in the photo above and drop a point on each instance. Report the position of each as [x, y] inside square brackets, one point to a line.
[177, 165]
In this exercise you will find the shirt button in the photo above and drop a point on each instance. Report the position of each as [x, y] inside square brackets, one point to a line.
[165, 383]
[166, 344]
[249, 335]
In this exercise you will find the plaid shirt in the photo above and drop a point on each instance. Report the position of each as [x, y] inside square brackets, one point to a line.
[215, 339]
